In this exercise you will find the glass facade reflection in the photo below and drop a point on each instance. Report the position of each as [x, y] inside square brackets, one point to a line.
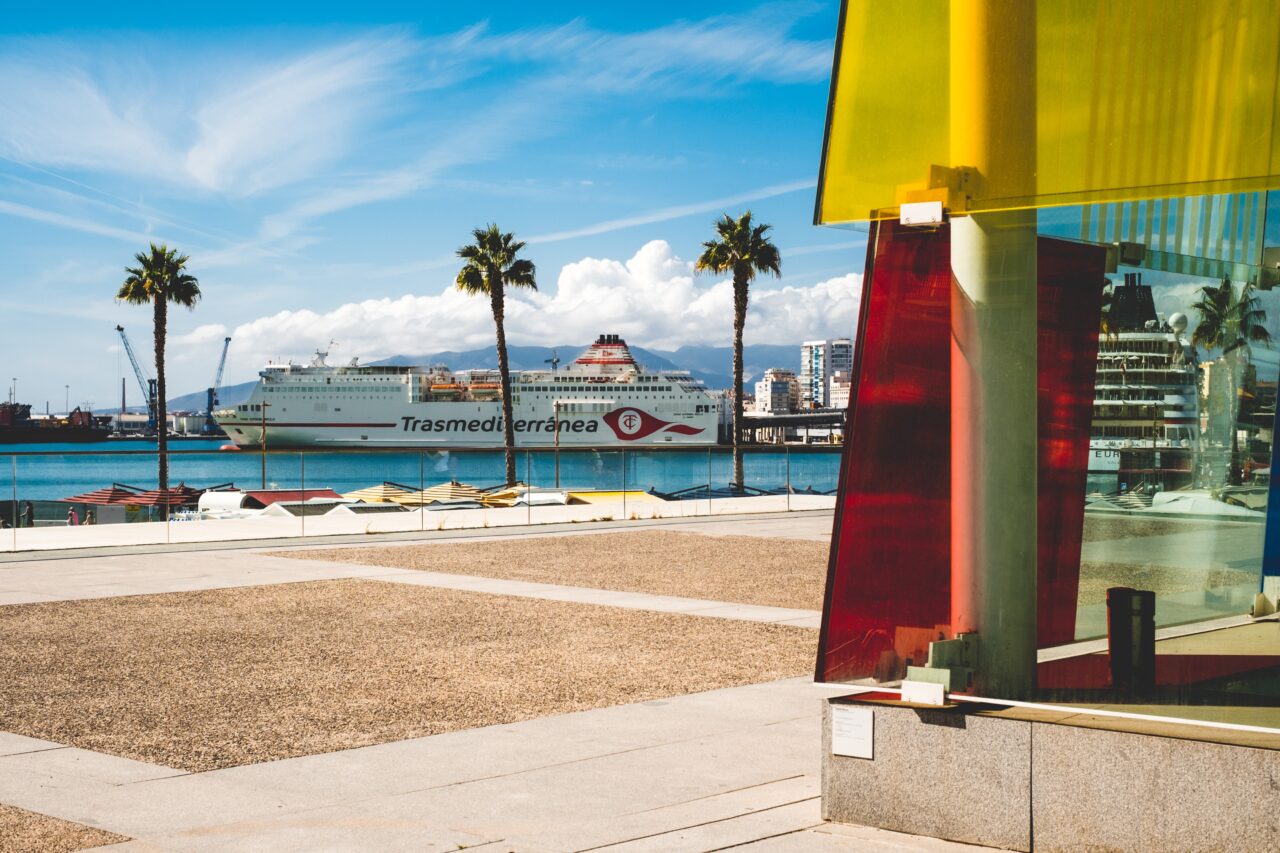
[1157, 376]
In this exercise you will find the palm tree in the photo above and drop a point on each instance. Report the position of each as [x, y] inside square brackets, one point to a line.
[491, 267]
[160, 278]
[1231, 322]
[746, 251]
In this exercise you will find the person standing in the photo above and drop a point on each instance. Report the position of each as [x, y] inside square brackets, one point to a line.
[90, 517]
[72, 518]
[28, 515]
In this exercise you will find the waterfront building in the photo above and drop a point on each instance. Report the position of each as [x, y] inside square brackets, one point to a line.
[778, 391]
[840, 385]
[819, 360]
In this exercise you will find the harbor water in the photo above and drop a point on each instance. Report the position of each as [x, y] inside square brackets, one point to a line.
[52, 472]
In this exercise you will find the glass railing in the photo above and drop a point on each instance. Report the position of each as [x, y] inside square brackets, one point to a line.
[104, 496]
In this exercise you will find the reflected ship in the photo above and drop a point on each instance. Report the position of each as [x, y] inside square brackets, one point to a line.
[1146, 420]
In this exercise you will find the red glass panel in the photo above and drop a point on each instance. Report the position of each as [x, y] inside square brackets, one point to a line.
[889, 579]
[888, 585]
[1071, 277]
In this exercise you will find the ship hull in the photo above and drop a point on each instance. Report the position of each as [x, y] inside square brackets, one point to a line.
[476, 425]
[51, 435]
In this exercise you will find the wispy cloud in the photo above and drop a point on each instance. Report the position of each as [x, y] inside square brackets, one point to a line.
[75, 223]
[668, 213]
[792, 251]
[277, 127]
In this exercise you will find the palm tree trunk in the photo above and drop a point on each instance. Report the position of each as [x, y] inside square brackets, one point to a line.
[1233, 467]
[162, 413]
[508, 428]
[739, 320]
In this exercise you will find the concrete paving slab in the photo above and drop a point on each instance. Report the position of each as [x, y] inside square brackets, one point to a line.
[86, 764]
[844, 838]
[665, 824]
[12, 744]
[752, 612]
[731, 832]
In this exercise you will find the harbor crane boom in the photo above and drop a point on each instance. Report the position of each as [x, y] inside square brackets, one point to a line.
[210, 425]
[147, 384]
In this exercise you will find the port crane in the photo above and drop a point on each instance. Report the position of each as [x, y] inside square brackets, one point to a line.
[145, 382]
[210, 425]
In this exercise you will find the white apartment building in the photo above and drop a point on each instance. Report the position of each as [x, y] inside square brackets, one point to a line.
[819, 361]
[840, 386]
[778, 392]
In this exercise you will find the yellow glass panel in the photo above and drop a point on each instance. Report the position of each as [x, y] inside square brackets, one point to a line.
[1133, 99]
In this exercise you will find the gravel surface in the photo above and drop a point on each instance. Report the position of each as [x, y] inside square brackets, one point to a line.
[738, 569]
[1096, 577]
[22, 831]
[1100, 528]
[202, 680]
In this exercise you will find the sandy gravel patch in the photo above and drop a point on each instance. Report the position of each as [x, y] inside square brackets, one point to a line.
[210, 679]
[1100, 528]
[738, 569]
[22, 831]
[1097, 577]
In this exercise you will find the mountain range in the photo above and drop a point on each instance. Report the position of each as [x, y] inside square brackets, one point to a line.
[712, 365]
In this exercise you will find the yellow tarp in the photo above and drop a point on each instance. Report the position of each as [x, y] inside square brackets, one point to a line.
[1134, 99]
[611, 497]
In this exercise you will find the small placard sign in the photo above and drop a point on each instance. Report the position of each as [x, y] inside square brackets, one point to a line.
[852, 731]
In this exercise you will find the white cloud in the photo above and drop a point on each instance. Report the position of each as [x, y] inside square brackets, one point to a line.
[199, 335]
[239, 125]
[653, 299]
[282, 125]
[677, 212]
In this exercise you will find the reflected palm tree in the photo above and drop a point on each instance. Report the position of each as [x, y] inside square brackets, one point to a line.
[1231, 322]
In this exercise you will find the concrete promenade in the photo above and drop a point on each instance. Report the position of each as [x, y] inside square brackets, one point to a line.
[728, 768]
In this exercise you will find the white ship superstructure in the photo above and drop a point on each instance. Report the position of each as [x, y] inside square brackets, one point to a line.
[603, 398]
[1146, 404]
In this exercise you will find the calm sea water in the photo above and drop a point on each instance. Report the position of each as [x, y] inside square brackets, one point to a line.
[54, 471]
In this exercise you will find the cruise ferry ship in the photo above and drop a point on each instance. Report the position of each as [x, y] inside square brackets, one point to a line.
[602, 398]
[1146, 424]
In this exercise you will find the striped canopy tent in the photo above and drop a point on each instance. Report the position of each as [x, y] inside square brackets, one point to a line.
[384, 493]
[180, 495]
[115, 494]
[450, 491]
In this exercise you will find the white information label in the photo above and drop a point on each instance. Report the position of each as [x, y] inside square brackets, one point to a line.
[923, 693]
[852, 731]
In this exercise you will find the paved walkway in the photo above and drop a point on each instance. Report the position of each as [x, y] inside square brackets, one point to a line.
[726, 768]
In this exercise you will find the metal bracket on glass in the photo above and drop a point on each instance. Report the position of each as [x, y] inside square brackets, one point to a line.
[951, 663]
[943, 191]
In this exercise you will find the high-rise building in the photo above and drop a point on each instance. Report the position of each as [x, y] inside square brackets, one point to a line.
[778, 392]
[819, 360]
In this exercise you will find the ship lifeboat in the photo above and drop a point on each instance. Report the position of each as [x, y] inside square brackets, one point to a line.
[446, 389]
[486, 389]
[226, 447]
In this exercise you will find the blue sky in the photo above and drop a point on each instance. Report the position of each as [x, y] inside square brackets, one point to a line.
[321, 163]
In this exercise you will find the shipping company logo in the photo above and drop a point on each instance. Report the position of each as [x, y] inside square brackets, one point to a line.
[630, 424]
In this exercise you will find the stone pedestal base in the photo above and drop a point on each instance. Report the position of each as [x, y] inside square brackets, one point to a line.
[1030, 781]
